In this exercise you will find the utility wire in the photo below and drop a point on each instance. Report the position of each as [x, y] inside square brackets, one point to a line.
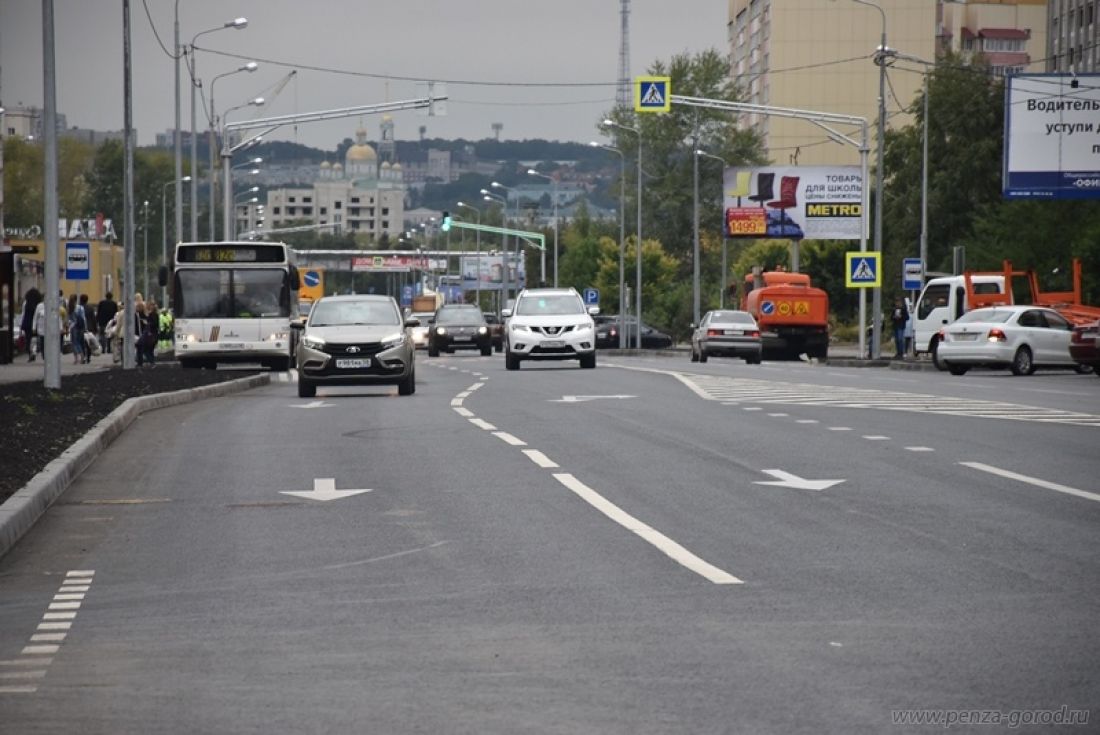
[145, 4]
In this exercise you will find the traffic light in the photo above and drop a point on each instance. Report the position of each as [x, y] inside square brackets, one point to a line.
[446, 222]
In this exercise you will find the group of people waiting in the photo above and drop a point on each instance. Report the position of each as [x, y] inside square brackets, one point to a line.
[93, 329]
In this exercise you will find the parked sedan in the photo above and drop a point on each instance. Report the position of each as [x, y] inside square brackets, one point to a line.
[607, 331]
[726, 332]
[355, 340]
[496, 330]
[1084, 345]
[1021, 338]
[652, 339]
[459, 327]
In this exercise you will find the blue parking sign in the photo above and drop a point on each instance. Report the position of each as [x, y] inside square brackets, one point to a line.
[591, 296]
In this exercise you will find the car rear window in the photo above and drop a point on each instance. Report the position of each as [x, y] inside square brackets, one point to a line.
[996, 316]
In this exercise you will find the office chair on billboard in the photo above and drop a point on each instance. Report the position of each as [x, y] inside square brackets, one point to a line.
[788, 199]
[741, 186]
[765, 184]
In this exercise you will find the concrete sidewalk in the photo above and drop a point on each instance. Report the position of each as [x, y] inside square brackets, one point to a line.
[21, 369]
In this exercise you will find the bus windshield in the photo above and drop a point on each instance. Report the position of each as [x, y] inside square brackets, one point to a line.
[226, 293]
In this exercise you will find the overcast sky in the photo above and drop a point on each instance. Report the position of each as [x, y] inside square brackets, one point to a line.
[491, 53]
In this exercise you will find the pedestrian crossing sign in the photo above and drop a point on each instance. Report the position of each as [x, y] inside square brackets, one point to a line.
[652, 94]
[864, 270]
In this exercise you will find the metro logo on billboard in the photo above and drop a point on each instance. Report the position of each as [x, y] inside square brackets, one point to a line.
[794, 202]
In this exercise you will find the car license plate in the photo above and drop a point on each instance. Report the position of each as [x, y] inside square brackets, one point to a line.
[733, 331]
[462, 338]
[231, 345]
[965, 337]
[351, 364]
[554, 343]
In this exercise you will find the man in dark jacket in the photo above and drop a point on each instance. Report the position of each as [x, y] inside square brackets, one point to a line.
[104, 313]
[898, 318]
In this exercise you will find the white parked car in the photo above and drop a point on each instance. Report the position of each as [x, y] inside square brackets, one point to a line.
[1021, 338]
[549, 324]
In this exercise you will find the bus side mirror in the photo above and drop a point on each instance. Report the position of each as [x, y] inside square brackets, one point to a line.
[295, 280]
[162, 276]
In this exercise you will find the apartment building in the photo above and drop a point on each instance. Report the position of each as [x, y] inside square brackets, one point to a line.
[1010, 34]
[1073, 43]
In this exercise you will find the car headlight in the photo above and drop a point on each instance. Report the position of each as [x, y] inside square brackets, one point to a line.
[482, 330]
[440, 331]
[393, 340]
[186, 337]
[277, 335]
[314, 343]
[518, 327]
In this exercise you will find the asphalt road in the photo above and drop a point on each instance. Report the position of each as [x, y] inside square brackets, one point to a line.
[558, 550]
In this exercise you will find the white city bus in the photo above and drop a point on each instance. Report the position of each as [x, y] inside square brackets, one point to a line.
[233, 302]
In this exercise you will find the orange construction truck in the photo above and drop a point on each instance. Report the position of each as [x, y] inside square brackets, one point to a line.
[792, 314]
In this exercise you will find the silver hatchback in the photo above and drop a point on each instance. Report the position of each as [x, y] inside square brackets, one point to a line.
[727, 332]
[356, 340]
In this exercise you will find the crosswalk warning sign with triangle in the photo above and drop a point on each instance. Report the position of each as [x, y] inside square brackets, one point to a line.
[652, 94]
[863, 270]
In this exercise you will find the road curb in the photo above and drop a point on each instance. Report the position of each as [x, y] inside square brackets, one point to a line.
[23, 509]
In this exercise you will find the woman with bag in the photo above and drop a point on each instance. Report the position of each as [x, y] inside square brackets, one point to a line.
[26, 322]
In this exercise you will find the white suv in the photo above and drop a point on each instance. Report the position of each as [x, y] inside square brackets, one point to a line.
[549, 324]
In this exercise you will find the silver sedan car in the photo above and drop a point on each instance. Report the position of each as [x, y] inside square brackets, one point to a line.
[726, 332]
[1019, 337]
[356, 340]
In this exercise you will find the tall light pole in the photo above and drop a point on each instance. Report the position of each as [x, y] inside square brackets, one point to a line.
[250, 67]
[880, 60]
[227, 164]
[695, 300]
[517, 248]
[622, 238]
[638, 263]
[145, 246]
[196, 83]
[164, 231]
[477, 286]
[177, 143]
[490, 197]
[725, 240]
[554, 183]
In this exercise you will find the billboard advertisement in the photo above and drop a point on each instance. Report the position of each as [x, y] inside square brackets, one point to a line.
[793, 202]
[1052, 136]
[489, 271]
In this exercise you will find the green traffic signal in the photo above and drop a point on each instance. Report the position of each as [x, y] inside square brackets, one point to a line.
[446, 222]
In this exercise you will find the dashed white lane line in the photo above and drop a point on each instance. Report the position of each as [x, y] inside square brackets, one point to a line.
[41, 649]
[464, 394]
[456, 401]
[35, 674]
[59, 616]
[55, 626]
[747, 408]
[540, 459]
[21, 662]
[808, 421]
[778, 415]
[64, 606]
[509, 439]
[464, 412]
[920, 449]
[71, 596]
[876, 438]
[48, 637]
[1032, 481]
[475, 386]
[483, 424]
[670, 548]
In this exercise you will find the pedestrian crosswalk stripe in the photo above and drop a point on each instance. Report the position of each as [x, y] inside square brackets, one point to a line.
[738, 391]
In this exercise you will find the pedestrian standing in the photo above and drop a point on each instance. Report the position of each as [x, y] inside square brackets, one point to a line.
[39, 327]
[26, 322]
[149, 332]
[104, 313]
[898, 318]
[78, 324]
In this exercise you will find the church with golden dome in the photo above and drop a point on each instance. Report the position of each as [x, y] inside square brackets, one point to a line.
[364, 194]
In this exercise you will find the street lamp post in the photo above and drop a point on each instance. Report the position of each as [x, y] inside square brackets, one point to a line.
[477, 268]
[145, 244]
[554, 183]
[196, 83]
[638, 259]
[250, 67]
[490, 197]
[516, 247]
[725, 240]
[622, 238]
[227, 161]
[164, 231]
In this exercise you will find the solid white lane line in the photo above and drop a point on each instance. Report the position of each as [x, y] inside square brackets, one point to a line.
[39, 650]
[75, 596]
[540, 459]
[508, 438]
[483, 424]
[876, 438]
[666, 545]
[59, 616]
[920, 449]
[463, 411]
[840, 428]
[1032, 481]
[48, 637]
[54, 626]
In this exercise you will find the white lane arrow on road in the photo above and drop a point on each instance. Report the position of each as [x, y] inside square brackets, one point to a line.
[786, 479]
[311, 404]
[324, 489]
[581, 399]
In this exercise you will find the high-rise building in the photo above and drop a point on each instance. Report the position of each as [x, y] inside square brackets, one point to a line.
[818, 55]
[1073, 43]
